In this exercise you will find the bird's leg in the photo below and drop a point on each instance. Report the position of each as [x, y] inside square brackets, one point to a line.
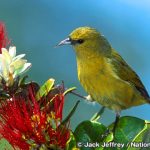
[116, 122]
[108, 131]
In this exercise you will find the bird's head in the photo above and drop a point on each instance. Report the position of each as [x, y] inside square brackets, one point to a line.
[86, 40]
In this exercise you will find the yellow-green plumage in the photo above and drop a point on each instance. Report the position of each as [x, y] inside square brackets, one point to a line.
[104, 74]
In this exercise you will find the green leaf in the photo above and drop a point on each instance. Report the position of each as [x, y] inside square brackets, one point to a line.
[22, 80]
[4, 145]
[69, 90]
[71, 143]
[4, 95]
[127, 129]
[45, 88]
[88, 131]
[131, 134]
[142, 140]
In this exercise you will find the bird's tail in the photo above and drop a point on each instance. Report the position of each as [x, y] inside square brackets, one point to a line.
[148, 100]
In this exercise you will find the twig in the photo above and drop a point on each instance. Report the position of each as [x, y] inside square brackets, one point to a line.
[96, 116]
[74, 93]
[71, 113]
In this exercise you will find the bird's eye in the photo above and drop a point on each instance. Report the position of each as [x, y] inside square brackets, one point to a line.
[80, 41]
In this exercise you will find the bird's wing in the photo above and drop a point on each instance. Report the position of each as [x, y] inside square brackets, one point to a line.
[125, 72]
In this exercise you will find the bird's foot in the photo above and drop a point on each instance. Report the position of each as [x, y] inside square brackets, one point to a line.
[89, 98]
[106, 133]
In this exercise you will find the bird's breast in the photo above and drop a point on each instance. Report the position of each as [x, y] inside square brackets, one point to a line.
[100, 81]
[95, 77]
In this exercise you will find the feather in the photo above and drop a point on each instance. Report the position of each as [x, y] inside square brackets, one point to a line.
[124, 72]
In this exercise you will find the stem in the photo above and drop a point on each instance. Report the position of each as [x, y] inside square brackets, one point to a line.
[74, 93]
[96, 116]
[71, 113]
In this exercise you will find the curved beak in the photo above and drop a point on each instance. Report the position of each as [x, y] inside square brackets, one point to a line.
[66, 41]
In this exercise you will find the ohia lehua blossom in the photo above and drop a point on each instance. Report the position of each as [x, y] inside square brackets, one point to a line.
[12, 66]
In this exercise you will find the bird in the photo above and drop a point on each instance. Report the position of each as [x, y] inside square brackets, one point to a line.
[103, 73]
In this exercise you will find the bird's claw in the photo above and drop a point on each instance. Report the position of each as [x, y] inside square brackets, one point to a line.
[106, 133]
[89, 98]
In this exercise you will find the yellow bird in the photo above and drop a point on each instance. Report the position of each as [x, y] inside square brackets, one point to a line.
[103, 73]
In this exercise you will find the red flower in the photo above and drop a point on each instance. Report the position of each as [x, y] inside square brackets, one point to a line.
[3, 36]
[25, 125]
